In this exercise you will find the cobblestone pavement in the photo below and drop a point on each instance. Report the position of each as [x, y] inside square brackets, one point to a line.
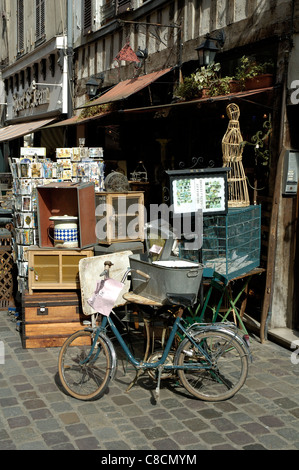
[36, 415]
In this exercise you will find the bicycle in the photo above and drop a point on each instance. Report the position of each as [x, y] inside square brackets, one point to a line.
[211, 361]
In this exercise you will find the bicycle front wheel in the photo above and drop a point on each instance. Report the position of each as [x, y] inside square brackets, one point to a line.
[81, 378]
[219, 377]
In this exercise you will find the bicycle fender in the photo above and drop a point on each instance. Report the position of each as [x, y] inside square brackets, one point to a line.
[199, 328]
[112, 354]
[228, 328]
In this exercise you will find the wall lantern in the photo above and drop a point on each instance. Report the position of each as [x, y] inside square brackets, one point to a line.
[93, 85]
[209, 48]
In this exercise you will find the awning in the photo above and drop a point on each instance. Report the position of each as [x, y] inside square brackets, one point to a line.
[242, 95]
[75, 120]
[19, 130]
[126, 88]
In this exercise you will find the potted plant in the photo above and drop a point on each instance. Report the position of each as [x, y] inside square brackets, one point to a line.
[204, 82]
[206, 77]
[251, 74]
[187, 90]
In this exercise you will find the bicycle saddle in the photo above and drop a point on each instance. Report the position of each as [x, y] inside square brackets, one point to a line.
[186, 300]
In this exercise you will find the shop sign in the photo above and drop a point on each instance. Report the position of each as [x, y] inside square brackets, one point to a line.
[31, 99]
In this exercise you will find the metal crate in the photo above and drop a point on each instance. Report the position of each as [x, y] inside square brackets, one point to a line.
[165, 277]
[232, 242]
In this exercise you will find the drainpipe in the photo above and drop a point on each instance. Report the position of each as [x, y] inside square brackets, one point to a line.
[70, 57]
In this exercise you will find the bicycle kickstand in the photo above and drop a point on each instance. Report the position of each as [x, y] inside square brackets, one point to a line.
[160, 370]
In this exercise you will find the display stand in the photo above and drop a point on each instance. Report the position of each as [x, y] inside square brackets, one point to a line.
[32, 169]
[224, 286]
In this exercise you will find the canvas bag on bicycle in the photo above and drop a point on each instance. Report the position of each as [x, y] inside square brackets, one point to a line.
[105, 296]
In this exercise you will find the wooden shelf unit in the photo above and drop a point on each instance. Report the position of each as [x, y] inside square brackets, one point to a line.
[54, 268]
[119, 214]
[73, 199]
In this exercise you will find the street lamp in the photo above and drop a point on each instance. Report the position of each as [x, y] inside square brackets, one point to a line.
[142, 55]
[93, 85]
[208, 49]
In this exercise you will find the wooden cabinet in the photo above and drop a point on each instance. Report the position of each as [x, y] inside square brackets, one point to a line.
[119, 217]
[54, 269]
[72, 199]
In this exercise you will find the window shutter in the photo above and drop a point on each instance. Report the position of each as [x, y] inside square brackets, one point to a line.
[87, 17]
[20, 13]
[40, 19]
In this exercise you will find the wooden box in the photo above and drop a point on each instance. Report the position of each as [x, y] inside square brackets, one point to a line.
[73, 199]
[54, 269]
[48, 319]
[119, 217]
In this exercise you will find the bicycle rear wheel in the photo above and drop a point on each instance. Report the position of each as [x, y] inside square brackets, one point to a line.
[224, 377]
[84, 380]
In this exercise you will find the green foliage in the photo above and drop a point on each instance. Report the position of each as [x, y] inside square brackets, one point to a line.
[249, 68]
[205, 78]
[188, 89]
[95, 110]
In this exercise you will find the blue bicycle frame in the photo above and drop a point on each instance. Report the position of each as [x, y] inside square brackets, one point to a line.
[149, 365]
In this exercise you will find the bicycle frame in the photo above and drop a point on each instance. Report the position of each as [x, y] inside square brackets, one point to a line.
[149, 365]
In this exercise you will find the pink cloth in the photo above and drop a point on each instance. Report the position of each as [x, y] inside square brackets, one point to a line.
[105, 296]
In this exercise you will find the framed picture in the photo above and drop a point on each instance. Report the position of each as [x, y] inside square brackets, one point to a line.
[26, 203]
[64, 153]
[25, 170]
[203, 189]
[29, 220]
[76, 154]
[36, 170]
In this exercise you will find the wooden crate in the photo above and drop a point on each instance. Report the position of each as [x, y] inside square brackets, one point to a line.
[73, 199]
[54, 269]
[48, 319]
[116, 213]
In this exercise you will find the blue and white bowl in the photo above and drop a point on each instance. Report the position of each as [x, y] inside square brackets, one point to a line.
[65, 231]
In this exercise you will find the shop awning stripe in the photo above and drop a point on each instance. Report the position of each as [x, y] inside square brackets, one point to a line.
[19, 130]
[126, 88]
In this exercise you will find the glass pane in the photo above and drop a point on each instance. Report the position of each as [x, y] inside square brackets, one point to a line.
[46, 268]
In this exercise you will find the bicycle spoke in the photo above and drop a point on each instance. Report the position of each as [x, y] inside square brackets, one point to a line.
[221, 374]
[84, 380]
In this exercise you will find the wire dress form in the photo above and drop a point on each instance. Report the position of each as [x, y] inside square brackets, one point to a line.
[232, 158]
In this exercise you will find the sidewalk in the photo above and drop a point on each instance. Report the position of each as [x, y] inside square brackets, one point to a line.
[36, 415]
